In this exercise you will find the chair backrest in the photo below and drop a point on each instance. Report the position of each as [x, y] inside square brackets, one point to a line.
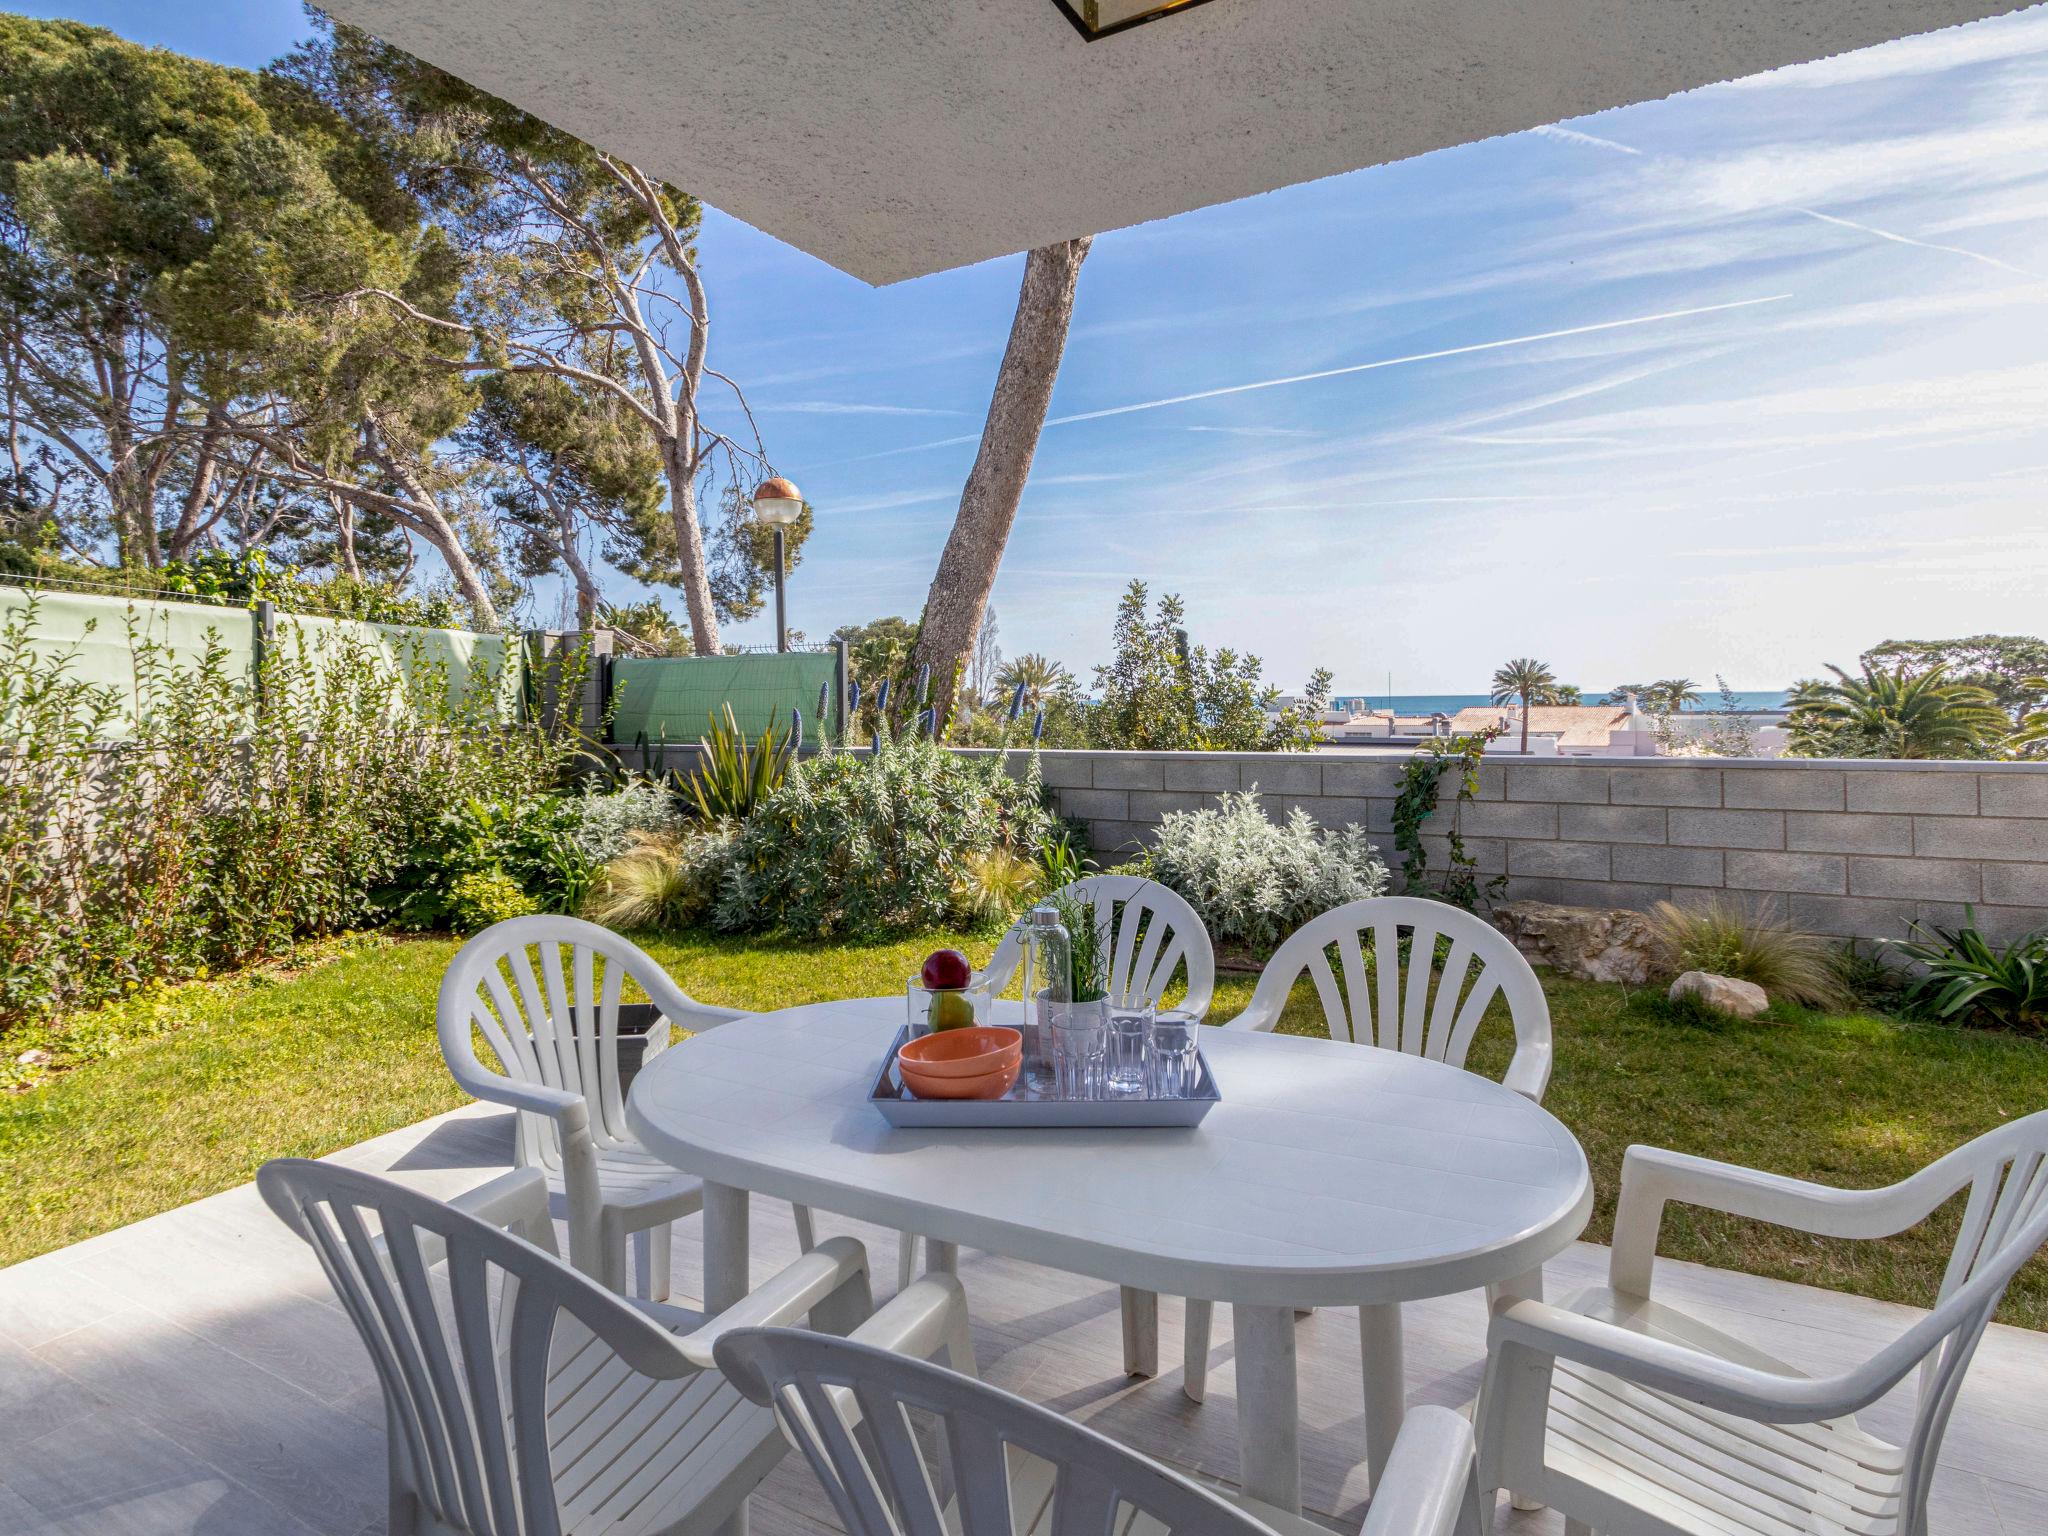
[544, 992]
[908, 1448]
[468, 1387]
[1153, 934]
[2004, 1224]
[894, 1441]
[1430, 1010]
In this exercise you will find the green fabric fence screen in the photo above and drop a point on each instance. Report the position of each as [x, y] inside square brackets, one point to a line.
[673, 699]
[92, 635]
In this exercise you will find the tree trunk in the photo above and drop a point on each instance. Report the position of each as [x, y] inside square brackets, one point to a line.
[693, 576]
[1525, 723]
[433, 526]
[988, 505]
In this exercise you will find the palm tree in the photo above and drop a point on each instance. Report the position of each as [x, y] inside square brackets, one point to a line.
[2030, 737]
[1897, 714]
[1038, 675]
[1675, 693]
[1529, 680]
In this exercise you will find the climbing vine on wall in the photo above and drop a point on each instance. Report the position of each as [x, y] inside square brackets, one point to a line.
[1421, 790]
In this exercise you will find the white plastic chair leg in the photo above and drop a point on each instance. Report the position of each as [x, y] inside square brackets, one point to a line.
[906, 1260]
[941, 1258]
[1575, 1527]
[1195, 1349]
[806, 1229]
[654, 1284]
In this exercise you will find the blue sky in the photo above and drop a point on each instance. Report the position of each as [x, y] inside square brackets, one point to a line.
[1741, 382]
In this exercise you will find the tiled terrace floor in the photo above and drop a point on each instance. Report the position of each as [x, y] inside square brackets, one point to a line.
[191, 1373]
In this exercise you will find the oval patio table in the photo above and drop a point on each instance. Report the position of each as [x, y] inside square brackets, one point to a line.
[1331, 1174]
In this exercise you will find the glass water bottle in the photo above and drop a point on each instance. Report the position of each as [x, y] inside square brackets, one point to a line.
[1048, 989]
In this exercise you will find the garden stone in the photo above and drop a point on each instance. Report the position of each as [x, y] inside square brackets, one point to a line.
[1593, 943]
[1724, 994]
[35, 1056]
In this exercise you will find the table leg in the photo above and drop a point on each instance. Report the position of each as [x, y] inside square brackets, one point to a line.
[726, 1279]
[1524, 1287]
[726, 1272]
[1386, 1395]
[1141, 1331]
[1268, 1407]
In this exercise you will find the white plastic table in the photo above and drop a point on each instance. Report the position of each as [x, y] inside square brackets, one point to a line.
[1331, 1174]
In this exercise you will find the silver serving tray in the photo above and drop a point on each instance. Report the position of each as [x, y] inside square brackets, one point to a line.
[1021, 1107]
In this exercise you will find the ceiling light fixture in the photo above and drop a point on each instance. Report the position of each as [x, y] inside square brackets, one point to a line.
[1095, 19]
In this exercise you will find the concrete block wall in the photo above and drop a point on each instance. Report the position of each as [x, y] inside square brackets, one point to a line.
[1852, 849]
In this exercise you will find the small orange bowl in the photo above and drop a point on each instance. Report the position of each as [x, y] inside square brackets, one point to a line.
[991, 1084]
[970, 1052]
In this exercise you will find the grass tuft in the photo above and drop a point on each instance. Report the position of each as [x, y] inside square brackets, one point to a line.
[1729, 937]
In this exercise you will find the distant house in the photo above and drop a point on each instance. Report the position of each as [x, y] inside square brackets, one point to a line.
[1561, 730]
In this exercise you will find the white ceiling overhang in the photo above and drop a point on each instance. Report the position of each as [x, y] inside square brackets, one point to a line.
[893, 138]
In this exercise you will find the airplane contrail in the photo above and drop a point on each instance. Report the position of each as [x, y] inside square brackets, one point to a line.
[1333, 373]
[1925, 245]
[1416, 357]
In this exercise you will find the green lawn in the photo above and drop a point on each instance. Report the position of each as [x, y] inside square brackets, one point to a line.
[185, 1091]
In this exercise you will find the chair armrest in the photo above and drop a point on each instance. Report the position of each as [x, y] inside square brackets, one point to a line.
[570, 1109]
[516, 1202]
[1652, 1176]
[1431, 1484]
[1768, 1397]
[1529, 1072]
[814, 1279]
[923, 1319]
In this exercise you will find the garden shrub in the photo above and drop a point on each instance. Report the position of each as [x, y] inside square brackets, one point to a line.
[1254, 881]
[483, 897]
[231, 820]
[609, 824]
[665, 880]
[531, 842]
[856, 844]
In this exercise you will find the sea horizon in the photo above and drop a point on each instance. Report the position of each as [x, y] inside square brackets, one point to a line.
[1451, 703]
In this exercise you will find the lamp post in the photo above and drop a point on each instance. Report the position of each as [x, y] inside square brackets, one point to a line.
[778, 504]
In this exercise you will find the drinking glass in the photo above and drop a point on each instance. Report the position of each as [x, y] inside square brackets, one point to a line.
[1124, 1072]
[1172, 1046]
[1079, 1039]
[973, 1006]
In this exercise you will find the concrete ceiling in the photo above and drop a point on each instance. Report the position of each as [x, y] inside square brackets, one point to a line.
[893, 138]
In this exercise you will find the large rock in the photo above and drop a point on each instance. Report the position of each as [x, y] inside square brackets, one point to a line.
[1594, 943]
[1727, 994]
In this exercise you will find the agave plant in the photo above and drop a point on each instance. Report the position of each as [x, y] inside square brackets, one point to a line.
[735, 774]
[1964, 972]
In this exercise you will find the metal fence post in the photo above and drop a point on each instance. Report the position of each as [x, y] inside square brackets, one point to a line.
[840, 678]
[265, 636]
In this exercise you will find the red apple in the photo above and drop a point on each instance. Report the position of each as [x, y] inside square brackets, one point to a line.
[946, 970]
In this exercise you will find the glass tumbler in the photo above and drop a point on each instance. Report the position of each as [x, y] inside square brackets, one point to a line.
[1175, 1040]
[1124, 1070]
[1079, 1038]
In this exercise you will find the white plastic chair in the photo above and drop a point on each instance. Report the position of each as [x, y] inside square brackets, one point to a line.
[1154, 935]
[554, 1030]
[904, 1448]
[521, 1396]
[1428, 1011]
[1629, 1416]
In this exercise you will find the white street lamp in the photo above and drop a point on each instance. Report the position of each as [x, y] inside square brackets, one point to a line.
[778, 504]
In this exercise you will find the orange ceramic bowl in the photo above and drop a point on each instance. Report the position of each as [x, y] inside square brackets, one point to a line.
[971, 1052]
[992, 1084]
